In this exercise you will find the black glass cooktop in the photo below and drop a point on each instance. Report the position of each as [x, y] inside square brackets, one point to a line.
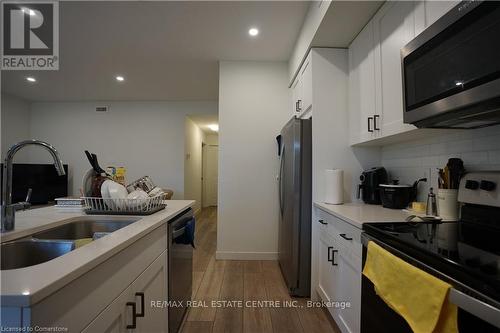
[468, 251]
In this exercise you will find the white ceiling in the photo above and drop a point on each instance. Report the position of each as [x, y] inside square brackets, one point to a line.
[204, 120]
[165, 50]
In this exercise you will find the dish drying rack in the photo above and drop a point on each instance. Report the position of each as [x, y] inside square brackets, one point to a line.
[108, 206]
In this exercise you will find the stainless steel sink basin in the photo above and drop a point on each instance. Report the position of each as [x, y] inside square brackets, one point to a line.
[52, 243]
[29, 252]
[82, 229]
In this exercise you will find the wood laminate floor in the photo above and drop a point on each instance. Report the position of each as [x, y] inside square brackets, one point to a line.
[234, 280]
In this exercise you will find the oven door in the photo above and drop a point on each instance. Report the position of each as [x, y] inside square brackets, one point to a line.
[451, 72]
[474, 315]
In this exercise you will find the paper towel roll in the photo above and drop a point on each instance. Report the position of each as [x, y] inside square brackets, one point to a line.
[334, 185]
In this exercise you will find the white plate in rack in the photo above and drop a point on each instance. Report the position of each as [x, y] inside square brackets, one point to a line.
[118, 193]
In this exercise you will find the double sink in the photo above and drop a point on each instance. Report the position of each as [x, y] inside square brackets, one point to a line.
[49, 244]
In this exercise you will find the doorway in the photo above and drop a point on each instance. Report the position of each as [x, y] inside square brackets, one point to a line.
[210, 175]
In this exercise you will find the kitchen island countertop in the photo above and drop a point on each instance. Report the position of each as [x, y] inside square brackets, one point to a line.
[29, 285]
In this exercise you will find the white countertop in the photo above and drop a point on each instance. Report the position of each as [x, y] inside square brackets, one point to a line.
[29, 285]
[359, 213]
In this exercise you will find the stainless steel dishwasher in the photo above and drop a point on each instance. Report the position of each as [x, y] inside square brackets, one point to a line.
[180, 270]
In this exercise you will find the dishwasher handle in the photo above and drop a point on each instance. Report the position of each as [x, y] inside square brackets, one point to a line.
[178, 233]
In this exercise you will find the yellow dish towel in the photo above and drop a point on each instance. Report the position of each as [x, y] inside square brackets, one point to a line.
[420, 298]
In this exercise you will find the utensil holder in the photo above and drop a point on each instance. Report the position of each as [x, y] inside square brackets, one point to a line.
[447, 203]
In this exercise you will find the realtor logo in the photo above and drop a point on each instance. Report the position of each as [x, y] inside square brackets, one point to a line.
[30, 35]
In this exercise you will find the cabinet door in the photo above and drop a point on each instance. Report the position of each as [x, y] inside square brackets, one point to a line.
[328, 272]
[362, 86]
[394, 27]
[435, 9]
[296, 93]
[151, 286]
[306, 85]
[349, 290]
[115, 317]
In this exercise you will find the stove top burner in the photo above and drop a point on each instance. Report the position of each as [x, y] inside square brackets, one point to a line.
[457, 254]
[467, 251]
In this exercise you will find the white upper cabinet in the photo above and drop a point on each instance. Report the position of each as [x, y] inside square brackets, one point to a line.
[302, 89]
[362, 86]
[375, 73]
[306, 78]
[394, 27]
[296, 93]
[433, 10]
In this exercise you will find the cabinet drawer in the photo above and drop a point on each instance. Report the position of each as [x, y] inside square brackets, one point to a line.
[347, 235]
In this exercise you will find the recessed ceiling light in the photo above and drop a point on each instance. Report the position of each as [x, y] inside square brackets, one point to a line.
[459, 83]
[253, 32]
[120, 78]
[30, 79]
[214, 127]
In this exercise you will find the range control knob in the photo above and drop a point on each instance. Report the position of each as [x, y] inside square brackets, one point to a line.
[472, 184]
[487, 185]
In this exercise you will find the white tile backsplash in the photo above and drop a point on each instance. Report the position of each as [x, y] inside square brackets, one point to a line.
[408, 161]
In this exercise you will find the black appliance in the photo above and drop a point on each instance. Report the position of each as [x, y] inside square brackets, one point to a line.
[451, 72]
[399, 196]
[465, 253]
[295, 178]
[41, 178]
[370, 179]
[180, 269]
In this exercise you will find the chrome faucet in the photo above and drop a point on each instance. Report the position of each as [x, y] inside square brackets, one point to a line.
[8, 208]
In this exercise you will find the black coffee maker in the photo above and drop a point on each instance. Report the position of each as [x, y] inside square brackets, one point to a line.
[368, 190]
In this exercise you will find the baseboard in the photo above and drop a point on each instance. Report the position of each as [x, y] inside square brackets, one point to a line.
[226, 255]
[197, 212]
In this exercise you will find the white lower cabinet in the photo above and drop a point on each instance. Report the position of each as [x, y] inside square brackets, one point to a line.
[132, 310]
[349, 291]
[103, 299]
[328, 271]
[339, 271]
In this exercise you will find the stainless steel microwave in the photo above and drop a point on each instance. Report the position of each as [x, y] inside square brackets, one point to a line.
[451, 71]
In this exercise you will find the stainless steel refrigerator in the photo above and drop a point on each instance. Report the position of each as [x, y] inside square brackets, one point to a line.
[295, 205]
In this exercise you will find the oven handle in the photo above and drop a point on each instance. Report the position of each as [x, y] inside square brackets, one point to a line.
[476, 307]
[468, 303]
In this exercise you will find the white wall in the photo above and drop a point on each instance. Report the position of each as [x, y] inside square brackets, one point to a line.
[15, 125]
[407, 161]
[253, 107]
[211, 139]
[145, 137]
[194, 137]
